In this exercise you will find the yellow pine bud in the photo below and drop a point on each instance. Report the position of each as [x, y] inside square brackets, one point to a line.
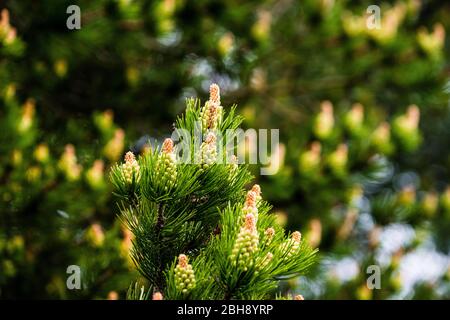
[225, 43]
[28, 111]
[251, 198]
[354, 194]
[10, 92]
[353, 25]
[33, 173]
[257, 190]
[406, 130]
[291, 246]
[41, 153]
[250, 204]
[68, 163]
[113, 295]
[364, 293]
[315, 232]
[261, 28]
[211, 113]
[7, 32]
[95, 174]
[338, 159]
[391, 20]
[131, 169]
[407, 196]
[166, 8]
[11, 36]
[324, 122]
[184, 274]
[114, 148]
[381, 138]
[296, 236]
[157, 296]
[4, 19]
[430, 204]
[309, 161]
[354, 118]
[104, 120]
[326, 6]
[268, 234]
[246, 244]
[214, 93]
[60, 67]
[8, 268]
[208, 151]
[95, 235]
[16, 244]
[410, 120]
[166, 166]
[16, 157]
[132, 75]
[432, 43]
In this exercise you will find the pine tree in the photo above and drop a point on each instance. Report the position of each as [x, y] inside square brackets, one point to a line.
[197, 233]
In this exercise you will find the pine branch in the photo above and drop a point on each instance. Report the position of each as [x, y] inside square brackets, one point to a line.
[198, 233]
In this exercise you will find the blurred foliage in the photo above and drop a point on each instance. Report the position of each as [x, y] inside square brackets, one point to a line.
[363, 116]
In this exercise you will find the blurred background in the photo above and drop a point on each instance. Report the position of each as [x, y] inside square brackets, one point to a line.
[364, 119]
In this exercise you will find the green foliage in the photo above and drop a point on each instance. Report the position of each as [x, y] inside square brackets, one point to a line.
[202, 214]
[54, 211]
[279, 61]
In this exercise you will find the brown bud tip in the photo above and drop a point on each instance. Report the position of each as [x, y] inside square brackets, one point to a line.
[129, 157]
[439, 32]
[119, 134]
[113, 295]
[167, 146]
[250, 223]
[4, 17]
[358, 107]
[342, 149]
[299, 297]
[98, 165]
[256, 189]
[214, 93]
[182, 261]
[296, 236]
[327, 107]
[70, 149]
[270, 232]
[316, 147]
[250, 200]
[157, 296]
[413, 114]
